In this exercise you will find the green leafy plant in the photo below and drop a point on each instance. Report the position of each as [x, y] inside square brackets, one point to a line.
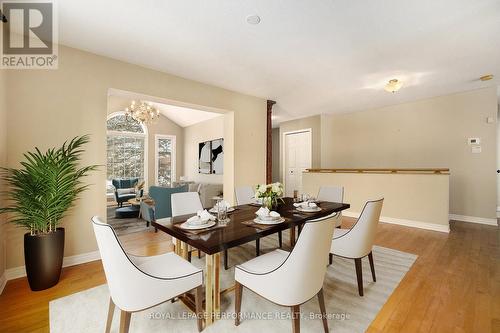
[41, 192]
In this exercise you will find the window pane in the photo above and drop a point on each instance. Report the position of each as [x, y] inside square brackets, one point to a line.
[164, 162]
[123, 124]
[125, 157]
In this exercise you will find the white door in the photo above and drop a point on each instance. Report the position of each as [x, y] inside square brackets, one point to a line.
[297, 151]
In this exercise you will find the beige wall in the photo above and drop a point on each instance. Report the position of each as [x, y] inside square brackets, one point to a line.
[419, 200]
[428, 133]
[163, 126]
[47, 107]
[3, 163]
[314, 123]
[205, 131]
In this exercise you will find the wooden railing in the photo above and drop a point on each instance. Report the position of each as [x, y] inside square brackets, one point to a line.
[388, 170]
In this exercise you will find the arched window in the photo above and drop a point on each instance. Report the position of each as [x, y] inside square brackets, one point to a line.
[126, 147]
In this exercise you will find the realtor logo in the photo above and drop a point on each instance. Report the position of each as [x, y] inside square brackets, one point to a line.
[29, 35]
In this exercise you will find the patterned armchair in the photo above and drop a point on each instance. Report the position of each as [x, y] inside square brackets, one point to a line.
[124, 189]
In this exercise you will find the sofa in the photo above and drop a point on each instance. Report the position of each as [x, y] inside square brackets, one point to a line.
[206, 191]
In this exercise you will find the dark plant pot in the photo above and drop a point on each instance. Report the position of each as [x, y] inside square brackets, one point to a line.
[43, 256]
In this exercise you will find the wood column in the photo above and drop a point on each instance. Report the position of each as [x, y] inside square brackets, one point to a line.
[269, 142]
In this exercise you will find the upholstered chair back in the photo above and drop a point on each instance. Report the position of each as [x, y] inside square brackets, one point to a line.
[358, 241]
[186, 203]
[162, 198]
[244, 195]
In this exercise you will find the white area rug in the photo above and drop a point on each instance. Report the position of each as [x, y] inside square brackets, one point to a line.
[86, 311]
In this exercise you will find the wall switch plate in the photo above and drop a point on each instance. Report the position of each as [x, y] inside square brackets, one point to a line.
[490, 120]
[476, 149]
[474, 141]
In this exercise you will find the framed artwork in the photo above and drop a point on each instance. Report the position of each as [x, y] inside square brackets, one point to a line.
[218, 156]
[204, 157]
[211, 157]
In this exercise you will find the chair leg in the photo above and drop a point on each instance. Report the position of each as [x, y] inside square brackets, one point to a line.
[330, 258]
[280, 239]
[372, 266]
[257, 247]
[147, 224]
[321, 300]
[111, 311]
[296, 319]
[199, 254]
[359, 274]
[189, 256]
[124, 321]
[238, 291]
[198, 299]
[156, 230]
[226, 266]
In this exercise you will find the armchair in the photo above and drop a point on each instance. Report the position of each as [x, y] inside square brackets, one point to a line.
[137, 283]
[124, 189]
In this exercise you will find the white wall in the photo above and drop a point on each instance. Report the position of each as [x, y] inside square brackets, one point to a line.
[205, 131]
[430, 133]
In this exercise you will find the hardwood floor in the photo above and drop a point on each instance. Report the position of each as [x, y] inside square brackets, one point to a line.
[454, 286]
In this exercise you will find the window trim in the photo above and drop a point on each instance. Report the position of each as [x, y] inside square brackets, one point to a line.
[144, 135]
[174, 156]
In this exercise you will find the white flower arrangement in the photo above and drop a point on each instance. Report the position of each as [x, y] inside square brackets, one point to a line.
[269, 193]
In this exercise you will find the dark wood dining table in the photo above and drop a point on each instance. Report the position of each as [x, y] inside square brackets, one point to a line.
[239, 230]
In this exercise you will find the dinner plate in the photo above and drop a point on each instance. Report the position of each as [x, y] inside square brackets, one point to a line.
[259, 221]
[188, 226]
[309, 210]
[214, 210]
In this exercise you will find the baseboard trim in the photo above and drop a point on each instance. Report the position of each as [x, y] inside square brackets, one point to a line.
[3, 282]
[407, 223]
[473, 219]
[17, 272]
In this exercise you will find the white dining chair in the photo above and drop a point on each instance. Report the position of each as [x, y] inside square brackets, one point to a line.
[290, 278]
[184, 203]
[332, 194]
[357, 242]
[138, 283]
[245, 195]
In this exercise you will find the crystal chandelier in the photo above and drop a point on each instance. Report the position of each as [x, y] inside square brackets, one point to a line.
[143, 112]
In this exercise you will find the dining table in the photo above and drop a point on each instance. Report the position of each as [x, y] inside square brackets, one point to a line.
[239, 229]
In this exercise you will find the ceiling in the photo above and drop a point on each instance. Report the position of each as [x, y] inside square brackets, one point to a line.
[184, 116]
[312, 57]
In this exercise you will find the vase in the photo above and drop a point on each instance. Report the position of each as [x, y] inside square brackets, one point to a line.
[43, 256]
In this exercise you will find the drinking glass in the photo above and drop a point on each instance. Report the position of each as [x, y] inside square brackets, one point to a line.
[221, 212]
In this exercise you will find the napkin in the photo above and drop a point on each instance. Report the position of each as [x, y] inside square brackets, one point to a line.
[305, 204]
[201, 217]
[265, 212]
[222, 204]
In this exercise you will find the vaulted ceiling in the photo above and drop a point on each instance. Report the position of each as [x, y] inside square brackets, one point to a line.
[312, 57]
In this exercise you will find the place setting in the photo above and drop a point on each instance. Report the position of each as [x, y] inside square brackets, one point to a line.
[307, 205]
[265, 218]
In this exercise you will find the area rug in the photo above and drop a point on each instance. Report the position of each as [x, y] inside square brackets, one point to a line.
[124, 226]
[86, 311]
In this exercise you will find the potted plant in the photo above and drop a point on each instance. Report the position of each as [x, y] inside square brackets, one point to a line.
[38, 196]
[270, 194]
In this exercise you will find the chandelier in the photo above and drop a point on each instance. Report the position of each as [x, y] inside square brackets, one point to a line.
[143, 112]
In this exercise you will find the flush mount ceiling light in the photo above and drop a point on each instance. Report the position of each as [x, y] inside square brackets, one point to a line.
[486, 77]
[393, 85]
[253, 19]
